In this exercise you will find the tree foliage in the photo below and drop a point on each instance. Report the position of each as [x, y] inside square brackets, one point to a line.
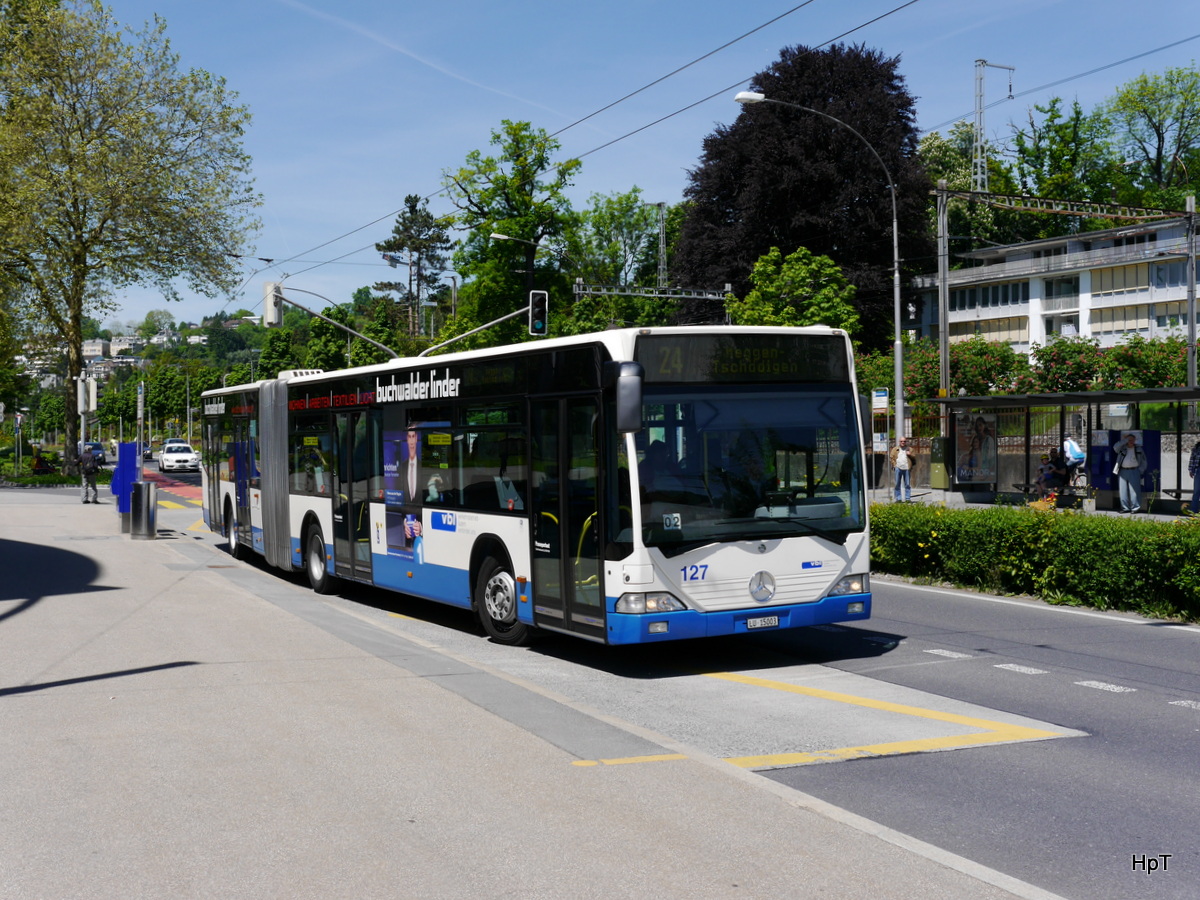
[1157, 121]
[520, 192]
[801, 290]
[783, 177]
[115, 168]
[421, 240]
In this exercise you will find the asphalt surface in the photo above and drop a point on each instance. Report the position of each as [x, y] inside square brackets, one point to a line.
[175, 723]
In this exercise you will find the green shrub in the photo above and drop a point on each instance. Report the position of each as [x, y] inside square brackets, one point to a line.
[1152, 568]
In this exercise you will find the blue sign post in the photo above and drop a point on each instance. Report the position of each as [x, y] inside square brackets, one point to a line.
[125, 473]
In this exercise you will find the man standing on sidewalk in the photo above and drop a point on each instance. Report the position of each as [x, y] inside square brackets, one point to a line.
[87, 472]
[902, 468]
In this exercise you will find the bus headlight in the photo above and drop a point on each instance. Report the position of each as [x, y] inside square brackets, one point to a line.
[852, 584]
[655, 602]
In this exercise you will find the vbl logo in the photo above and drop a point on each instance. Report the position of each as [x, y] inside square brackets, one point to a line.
[444, 521]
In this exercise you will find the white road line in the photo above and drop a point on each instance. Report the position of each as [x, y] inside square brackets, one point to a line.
[1024, 670]
[950, 654]
[1102, 686]
[1190, 704]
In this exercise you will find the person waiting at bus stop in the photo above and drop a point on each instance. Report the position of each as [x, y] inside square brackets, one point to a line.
[1193, 471]
[902, 462]
[1130, 464]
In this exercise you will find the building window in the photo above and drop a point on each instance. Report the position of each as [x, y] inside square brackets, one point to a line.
[1120, 319]
[1170, 315]
[1121, 280]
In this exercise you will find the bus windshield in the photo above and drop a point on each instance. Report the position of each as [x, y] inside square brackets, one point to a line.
[748, 463]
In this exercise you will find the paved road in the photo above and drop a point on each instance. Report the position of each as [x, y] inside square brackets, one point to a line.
[173, 723]
[1083, 817]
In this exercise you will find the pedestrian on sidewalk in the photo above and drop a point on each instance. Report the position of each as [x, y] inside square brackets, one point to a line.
[902, 470]
[88, 467]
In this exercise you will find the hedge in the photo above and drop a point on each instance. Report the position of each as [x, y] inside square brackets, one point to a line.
[1061, 556]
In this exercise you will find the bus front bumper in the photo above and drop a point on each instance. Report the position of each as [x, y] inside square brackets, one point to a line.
[645, 628]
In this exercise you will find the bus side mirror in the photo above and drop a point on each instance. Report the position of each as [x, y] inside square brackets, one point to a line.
[627, 379]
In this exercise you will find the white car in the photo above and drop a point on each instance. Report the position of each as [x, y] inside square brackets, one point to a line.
[178, 457]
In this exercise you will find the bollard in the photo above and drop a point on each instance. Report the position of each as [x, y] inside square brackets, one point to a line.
[144, 521]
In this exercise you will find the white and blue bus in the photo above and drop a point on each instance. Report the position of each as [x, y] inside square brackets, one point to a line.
[630, 486]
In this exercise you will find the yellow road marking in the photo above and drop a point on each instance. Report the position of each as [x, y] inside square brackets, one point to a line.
[624, 761]
[170, 504]
[990, 732]
[199, 526]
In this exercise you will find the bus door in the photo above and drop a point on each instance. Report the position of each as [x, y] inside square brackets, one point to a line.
[352, 477]
[568, 588]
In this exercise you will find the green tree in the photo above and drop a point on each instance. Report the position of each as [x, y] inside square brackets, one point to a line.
[803, 289]
[327, 348]
[610, 237]
[279, 353]
[1067, 156]
[157, 321]
[1157, 124]
[421, 241]
[520, 193]
[115, 168]
[13, 383]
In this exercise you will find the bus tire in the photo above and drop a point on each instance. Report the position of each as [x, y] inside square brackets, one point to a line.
[496, 604]
[314, 562]
[236, 550]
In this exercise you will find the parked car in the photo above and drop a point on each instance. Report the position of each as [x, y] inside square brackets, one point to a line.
[178, 457]
[97, 451]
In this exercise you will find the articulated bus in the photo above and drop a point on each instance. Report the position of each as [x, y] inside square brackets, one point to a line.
[631, 486]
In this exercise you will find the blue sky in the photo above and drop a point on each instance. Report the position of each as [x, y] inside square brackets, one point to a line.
[357, 103]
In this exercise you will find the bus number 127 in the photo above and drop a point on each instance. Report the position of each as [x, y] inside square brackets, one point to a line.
[694, 573]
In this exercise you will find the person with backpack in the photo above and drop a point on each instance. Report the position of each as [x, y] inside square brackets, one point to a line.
[88, 467]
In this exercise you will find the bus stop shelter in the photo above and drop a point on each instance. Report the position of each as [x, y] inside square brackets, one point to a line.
[1103, 412]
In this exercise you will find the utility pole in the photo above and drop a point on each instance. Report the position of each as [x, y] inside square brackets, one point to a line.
[979, 172]
[662, 245]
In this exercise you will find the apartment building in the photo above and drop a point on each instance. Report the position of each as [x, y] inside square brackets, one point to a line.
[1101, 284]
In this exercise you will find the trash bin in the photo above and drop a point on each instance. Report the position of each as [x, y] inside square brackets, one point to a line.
[144, 520]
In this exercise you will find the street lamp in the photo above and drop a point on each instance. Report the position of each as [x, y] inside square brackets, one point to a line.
[747, 97]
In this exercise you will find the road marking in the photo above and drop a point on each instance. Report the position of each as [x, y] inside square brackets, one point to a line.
[628, 760]
[991, 732]
[1190, 704]
[199, 526]
[170, 504]
[1024, 670]
[950, 654]
[1103, 686]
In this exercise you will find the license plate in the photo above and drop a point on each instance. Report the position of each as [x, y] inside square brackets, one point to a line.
[763, 622]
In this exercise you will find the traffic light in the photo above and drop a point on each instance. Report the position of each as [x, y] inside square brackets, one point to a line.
[538, 313]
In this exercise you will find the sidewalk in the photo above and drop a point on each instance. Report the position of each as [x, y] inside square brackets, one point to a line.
[173, 723]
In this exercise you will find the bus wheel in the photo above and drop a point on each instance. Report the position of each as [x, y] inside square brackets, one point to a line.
[496, 602]
[314, 562]
[236, 550]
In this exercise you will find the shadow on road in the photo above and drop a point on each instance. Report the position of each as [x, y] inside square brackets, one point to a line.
[34, 572]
